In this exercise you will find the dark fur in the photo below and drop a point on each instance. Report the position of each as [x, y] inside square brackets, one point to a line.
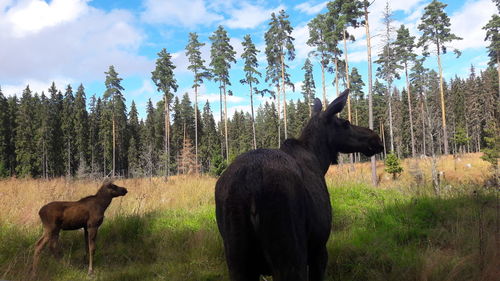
[272, 205]
[86, 213]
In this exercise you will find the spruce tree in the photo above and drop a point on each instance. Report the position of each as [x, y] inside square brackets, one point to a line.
[222, 55]
[134, 146]
[81, 121]
[4, 133]
[68, 130]
[210, 145]
[493, 35]
[393, 165]
[249, 56]
[26, 148]
[56, 143]
[163, 77]
[200, 72]
[435, 27]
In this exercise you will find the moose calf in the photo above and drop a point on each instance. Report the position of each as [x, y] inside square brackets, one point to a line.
[86, 213]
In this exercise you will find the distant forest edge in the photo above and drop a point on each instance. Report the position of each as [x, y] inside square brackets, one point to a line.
[62, 134]
[55, 135]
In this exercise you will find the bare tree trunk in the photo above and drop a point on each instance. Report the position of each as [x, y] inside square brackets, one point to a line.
[68, 172]
[391, 135]
[225, 124]
[196, 126]
[284, 93]
[279, 114]
[443, 108]
[423, 124]
[114, 146]
[323, 84]
[370, 98]
[347, 77]
[253, 118]
[498, 71]
[409, 112]
[167, 137]
[221, 118]
[383, 137]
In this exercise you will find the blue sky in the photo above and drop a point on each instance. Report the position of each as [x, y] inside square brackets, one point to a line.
[74, 41]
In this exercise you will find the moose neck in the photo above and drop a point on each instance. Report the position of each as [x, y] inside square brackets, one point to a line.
[104, 199]
[315, 140]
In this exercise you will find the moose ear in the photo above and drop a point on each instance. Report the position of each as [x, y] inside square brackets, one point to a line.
[316, 107]
[338, 104]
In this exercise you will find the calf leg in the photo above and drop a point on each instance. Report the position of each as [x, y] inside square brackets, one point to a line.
[40, 244]
[92, 235]
[317, 264]
[54, 244]
[86, 238]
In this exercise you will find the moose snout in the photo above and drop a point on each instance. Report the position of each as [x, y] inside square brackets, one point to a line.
[124, 191]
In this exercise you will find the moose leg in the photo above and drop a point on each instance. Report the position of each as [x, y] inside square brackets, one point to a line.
[317, 264]
[92, 235]
[54, 244]
[38, 249]
[86, 238]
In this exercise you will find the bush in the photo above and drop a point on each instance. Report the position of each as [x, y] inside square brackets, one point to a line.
[393, 165]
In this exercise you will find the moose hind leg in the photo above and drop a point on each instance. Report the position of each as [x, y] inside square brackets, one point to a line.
[54, 244]
[40, 244]
[317, 264]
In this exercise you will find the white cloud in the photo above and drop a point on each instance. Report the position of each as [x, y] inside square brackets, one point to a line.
[146, 89]
[301, 35]
[32, 16]
[181, 14]
[249, 16]
[81, 46]
[310, 9]
[36, 86]
[468, 22]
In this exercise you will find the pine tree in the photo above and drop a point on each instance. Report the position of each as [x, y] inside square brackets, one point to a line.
[163, 77]
[403, 47]
[273, 68]
[357, 85]
[200, 72]
[114, 102]
[436, 30]
[279, 34]
[318, 36]
[222, 55]
[308, 86]
[388, 66]
[249, 56]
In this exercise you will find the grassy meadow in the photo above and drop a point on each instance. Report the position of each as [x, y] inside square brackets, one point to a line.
[400, 230]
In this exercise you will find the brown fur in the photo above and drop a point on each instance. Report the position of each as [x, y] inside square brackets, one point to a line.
[86, 213]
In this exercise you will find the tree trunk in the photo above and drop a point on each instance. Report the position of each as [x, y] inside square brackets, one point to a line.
[423, 124]
[114, 146]
[323, 84]
[221, 118]
[225, 124]
[443, 108]
[284, 93]
[336, 76]
[498, 71]
[167, 137]
[196, 127]
[383, 137]
[370, 98]
[279, 114]
[391, 135]
[409, 112]
[253, 118]
[347, 78]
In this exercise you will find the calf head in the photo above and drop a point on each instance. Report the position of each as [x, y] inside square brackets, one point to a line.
[112, 189]
[341, 135]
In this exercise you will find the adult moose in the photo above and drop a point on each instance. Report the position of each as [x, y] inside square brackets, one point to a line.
[86, 213]
[272, 205]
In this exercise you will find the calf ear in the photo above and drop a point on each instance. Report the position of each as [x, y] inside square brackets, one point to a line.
[316, 107]
[338, 104]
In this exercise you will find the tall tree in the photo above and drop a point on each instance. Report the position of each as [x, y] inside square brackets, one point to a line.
[115, 105]
[56, 143]
[4, 133]
[366, 4]
[249, 56]
[273, 68]
[163, 77]
[222, 55]
[308, 86]
[436, 30]
[210, 144]
[279, 34]
[134, 146]
[403, 46]
[493, 35]
[388, 65]
[68, 130]
[26, 149]
[318, 35]
[200, 72]
[81, 128]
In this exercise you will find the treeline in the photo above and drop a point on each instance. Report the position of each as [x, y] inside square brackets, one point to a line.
[62, 133]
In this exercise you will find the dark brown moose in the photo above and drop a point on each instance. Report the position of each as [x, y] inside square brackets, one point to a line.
[86, 213]
[272, 205]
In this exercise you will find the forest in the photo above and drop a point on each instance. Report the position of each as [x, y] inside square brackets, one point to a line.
[63, 132]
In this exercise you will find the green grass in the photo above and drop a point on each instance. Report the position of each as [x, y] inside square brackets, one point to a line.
[376, 235]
